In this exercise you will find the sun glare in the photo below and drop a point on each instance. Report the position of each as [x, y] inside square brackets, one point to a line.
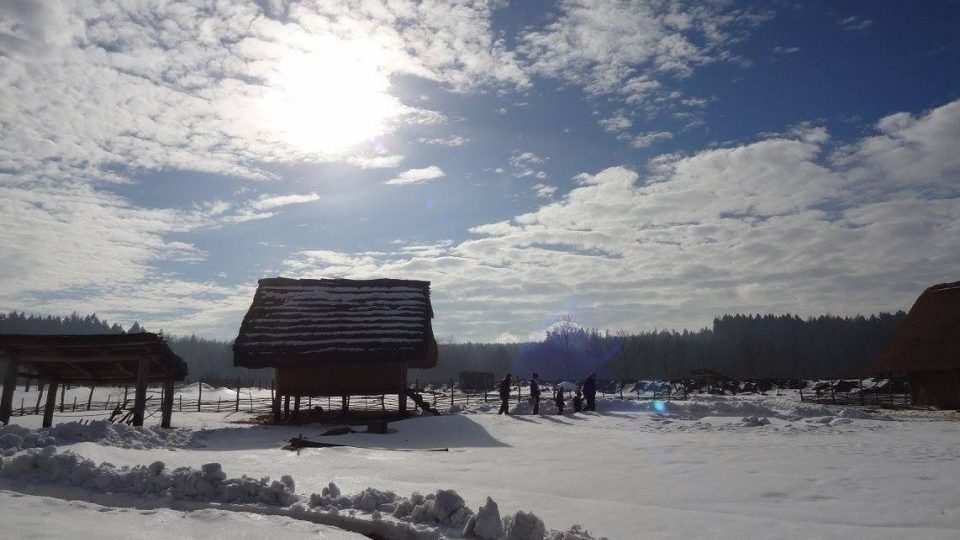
[329, 100]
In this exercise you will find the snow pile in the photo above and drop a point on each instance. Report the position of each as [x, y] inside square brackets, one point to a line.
[14, 438]
[753, 421]
[210, 483]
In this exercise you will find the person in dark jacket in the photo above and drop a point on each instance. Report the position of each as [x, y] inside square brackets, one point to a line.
[505, 394]
[559, 399]
[535, 394]
[578, 400]
[590, 392]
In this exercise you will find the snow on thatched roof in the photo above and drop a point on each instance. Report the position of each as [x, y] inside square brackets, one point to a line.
[293, 321]
[929, 338]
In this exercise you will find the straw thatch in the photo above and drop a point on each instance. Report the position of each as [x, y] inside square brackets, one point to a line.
[929, 338]
[310, 322]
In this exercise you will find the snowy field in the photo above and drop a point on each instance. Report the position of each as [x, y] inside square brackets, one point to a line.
[727, 467]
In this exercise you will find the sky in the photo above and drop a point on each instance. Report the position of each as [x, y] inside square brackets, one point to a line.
[632, 165]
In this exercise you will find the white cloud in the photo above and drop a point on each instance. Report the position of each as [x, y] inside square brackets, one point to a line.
[226, 88]
[525, 164]
[269, 203]
[616, 123]
[390, 161]
[785, 50]
[623, 47]
[544, 191]
[417, 176]
[769, 226]
[855, 24]
[455, 140]
[643, 140]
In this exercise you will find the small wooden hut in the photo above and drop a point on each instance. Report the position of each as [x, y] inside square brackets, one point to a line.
[926, 347]
[338, 337]
[97, 359]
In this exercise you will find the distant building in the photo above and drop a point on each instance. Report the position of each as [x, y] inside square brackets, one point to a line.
[927, 348]
[338, 337]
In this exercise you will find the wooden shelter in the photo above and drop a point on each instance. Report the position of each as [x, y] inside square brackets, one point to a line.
[926, 347]
[91, 360]
[338, 337]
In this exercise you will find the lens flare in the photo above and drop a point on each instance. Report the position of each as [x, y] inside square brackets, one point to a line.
[659, 406]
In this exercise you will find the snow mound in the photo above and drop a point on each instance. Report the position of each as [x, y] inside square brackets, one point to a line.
[99, 431]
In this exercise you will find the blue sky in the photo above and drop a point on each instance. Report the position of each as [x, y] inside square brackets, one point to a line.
[635, 164]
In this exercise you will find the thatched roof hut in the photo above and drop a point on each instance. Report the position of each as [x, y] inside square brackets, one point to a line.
[927, 347]
[94, 359]
[328, 337]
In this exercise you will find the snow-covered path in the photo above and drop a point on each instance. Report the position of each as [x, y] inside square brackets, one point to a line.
[629, 473]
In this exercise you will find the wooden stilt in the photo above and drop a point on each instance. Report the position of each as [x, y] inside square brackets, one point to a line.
[40, 387]
[166, 404]
[9, 386]
[140, 395]
[51, 403]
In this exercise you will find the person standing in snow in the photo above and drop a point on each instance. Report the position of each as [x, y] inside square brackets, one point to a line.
[578, 400]
[590, 392]
[505, 394]
[558, 397]
[535, 393]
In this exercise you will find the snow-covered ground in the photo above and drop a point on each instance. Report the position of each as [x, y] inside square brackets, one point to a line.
[728, 467]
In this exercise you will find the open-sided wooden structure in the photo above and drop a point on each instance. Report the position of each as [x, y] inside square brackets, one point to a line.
[927, 348]
[338, 337]
[91, 359]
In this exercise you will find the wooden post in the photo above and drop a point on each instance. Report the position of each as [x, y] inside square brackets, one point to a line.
[9, 386]
[166, 404]
[125, 388]
[26, 385]
[63, 393]
[451, 393]
[74, 404]
[21, 405]
[296, 406]
[237, 408]
[218, 403]
[51, 403]
[140, 393]
[286, 406]
[40, 386]
[180, 408]
[90, 397]
[402, 394]
[199, 393]
[518, 390]
[344, 404]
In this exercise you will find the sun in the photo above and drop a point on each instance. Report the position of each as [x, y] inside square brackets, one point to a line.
[330, 99]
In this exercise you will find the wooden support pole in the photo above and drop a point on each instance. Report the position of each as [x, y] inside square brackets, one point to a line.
[166, 404]
[199, 393]
[51, 403]
[26, 386]
[36, 409]
[344, 404]
[9, 386]
[63, 392]
[237, 407]
[74, 409]
[286, 406]
[296, 406]
[140, 394]
[90, 397]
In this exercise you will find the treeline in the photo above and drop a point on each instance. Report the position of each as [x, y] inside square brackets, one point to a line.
[738, 346]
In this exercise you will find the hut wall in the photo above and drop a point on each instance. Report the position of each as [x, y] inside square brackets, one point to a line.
[341, 378]
[936, 388]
